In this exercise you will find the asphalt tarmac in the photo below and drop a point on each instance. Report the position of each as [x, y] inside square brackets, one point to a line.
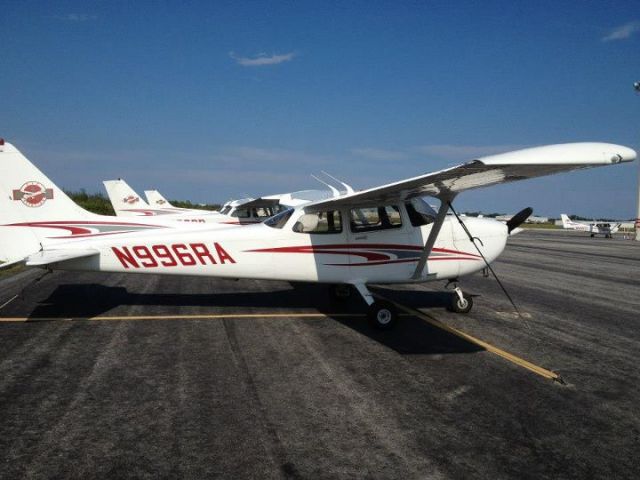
[115, 376]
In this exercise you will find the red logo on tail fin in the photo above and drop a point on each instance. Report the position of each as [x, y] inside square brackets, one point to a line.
[33, 194]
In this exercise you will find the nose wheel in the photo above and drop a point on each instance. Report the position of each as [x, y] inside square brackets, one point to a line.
[460, 303]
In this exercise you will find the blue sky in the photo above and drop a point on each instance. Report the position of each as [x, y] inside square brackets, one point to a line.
[214, 100]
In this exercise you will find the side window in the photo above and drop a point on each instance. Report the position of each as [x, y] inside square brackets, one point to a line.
[241, 213]
[320, 222]
[375, 218]
[263, 212]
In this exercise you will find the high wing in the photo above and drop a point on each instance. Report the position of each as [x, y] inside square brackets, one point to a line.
[47, 257]
[259, 202]
[490, 170]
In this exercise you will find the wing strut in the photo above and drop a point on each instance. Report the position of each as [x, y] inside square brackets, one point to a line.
[435, 230]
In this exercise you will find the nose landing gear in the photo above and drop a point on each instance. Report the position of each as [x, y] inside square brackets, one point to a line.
[460, 303]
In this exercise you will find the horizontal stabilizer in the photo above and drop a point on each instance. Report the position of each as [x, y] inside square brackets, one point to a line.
[47, 257]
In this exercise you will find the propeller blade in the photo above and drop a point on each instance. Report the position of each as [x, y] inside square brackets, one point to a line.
[519, 218]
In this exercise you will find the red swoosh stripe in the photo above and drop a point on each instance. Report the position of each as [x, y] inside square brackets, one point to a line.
[382, 257]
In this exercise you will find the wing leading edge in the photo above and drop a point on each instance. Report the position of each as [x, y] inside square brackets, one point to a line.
[490, 170]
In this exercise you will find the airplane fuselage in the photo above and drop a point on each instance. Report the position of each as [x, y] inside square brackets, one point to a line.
[264, 252]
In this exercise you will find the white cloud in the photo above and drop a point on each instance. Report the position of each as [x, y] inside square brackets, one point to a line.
[76, 17]
[623, 32]
[464, 152]
[379, 154]
[262, 59]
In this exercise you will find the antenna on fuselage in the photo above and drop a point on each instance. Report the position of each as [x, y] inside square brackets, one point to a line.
[334, 190]
[348, 187]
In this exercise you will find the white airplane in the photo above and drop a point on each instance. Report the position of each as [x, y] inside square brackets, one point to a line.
[127, 203]
[382, 235]
[594, 228]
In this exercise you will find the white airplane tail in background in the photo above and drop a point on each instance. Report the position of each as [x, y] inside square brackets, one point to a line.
[155, 199]
[28, 199]
[126, 202]
[566, 221]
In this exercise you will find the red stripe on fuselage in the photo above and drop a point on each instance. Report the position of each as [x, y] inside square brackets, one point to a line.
[330, 248]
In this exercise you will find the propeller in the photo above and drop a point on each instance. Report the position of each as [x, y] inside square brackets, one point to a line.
[519, 218]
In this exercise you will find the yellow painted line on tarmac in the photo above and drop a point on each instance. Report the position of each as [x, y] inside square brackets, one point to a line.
[521, 362]
[409, 312]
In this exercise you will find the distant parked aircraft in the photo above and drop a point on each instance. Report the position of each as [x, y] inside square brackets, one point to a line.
[594, 228]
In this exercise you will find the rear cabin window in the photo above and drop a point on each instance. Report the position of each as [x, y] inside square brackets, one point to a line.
[319, 222]
[375, 218]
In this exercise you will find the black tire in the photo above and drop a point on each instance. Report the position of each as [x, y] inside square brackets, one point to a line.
[593, 235]
[458, 306]
[382, 315]
[341, 291]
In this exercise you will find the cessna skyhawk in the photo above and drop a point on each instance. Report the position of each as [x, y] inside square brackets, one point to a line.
[381, 235]
[593, 228]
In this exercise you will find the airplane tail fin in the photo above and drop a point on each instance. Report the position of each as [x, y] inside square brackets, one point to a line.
[28, 198]
[566, 221]
[126, 202]
[155, 199]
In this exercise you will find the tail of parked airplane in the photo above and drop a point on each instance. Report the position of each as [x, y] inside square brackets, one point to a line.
[566, 221]
[29, 201]
[126, 202]
[155, 199]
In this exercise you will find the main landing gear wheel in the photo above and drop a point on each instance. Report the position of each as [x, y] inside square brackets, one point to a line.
[340, 291]
[460, 305]
[382, 315]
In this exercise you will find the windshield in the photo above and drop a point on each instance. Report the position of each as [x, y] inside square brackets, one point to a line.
[279, 220]
[420, 212]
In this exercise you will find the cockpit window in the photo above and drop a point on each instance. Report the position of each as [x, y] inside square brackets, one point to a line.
[240, 213]
[262, 212]
[279, 220]
[375, 218]
[225, 210]
[319, 222]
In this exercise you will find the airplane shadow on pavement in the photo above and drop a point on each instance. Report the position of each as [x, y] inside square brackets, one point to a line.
[411, 336]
